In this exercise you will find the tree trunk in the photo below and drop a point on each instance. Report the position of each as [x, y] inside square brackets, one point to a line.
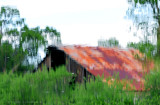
[158, 30]
[0, 34]
[158, 39]
[15, 67]
[5, 61]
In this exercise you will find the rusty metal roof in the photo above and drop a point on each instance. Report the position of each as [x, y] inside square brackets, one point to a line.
[108, 61]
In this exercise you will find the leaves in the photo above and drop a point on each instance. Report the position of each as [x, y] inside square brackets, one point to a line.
[22, 42]
[145, 17]
[144, 1]
[31, 40]
[145, 47]
[9, 57]
[51, 31]
[13, 32]
[10, 17]
[112, 42]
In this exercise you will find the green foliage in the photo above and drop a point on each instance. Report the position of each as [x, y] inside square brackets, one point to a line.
[31, 40]
[51, 31]
[38, 88]
[9, 18]
[0, 37]
[22, 42]
[153, 85]
[153, 2]
[112, 42]
[13, 32]
[145, 47]
[142, 20]
[53, 34]
[100, 93]
[53, 87]
[6, 52]
[9, 57]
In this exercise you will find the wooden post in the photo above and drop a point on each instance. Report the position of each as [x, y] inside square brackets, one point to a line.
[49, 61]
[69, 64]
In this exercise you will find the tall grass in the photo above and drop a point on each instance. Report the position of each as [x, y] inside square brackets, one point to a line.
[37, 88]
[53, 88]
[100, 93]
[152, 85]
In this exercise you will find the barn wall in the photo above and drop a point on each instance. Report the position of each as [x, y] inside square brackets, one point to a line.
[57, 58]
[46, 62]
[82, 75]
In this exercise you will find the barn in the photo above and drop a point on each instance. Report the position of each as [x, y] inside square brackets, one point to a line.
[88, 62]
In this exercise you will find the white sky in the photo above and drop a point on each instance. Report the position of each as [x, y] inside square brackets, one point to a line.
[79, 21]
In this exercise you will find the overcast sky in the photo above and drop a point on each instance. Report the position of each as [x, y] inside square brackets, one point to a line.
[78, 21]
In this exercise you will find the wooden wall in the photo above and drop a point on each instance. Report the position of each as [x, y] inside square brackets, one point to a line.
[46, 62]
[81, 74]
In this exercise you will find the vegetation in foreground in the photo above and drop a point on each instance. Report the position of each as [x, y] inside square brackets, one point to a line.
[53, 87]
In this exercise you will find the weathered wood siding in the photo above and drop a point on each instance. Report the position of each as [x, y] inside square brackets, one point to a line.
[82, 75]
[46, 62]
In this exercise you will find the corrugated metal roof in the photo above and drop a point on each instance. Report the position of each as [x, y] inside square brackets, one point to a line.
[107, 61]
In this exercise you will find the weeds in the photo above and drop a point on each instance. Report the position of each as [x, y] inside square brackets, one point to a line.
[53, 88]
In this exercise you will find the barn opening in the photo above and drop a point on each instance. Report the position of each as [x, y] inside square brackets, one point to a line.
[58, 57]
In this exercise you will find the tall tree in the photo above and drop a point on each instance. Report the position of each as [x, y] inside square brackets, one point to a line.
[21, 43]
[10, 21]
[143, 21]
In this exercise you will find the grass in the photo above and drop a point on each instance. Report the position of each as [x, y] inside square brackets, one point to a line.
[40, 87]
[53, 88]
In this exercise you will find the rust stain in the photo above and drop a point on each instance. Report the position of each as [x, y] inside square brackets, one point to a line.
[108, 61]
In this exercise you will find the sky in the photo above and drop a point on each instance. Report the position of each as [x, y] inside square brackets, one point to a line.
[81, 22]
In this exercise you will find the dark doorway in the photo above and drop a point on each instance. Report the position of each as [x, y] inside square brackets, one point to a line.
[58, 57]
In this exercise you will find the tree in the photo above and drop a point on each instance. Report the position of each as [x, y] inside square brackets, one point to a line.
[142, 21]
[31, 40]
[10, 58]
[53, 34]
[10, 21]
[22, 43]
[112, 42]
